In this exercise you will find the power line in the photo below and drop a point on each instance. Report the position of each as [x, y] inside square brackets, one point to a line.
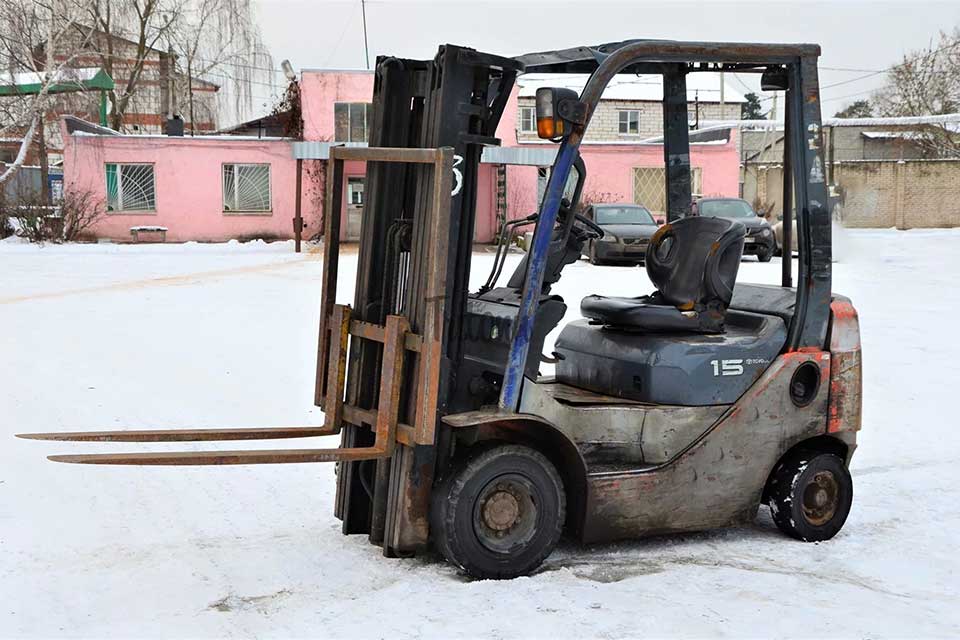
[366, 47]
[343, 32]
[742, 83]
[849, 95]
[209, 74]
[849, 70]
[857, 79]
[211, 61]
[873, 73]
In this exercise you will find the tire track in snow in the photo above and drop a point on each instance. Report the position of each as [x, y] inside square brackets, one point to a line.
[163, 281]
[600, 570]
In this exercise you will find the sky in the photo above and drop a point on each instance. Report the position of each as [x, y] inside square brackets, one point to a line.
[858, 38]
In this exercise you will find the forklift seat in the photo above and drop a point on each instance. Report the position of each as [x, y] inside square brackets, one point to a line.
[693, 263]
[665, 348]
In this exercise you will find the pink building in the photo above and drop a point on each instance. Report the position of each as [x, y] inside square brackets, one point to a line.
[214, 188]
[205, 188]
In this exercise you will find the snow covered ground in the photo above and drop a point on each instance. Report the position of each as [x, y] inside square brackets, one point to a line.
[217, 335]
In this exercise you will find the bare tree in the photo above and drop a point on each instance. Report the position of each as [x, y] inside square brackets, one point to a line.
[80, 210]
[927, 82]
[51, 38]
[594, 196]
[195, 39]
[142, 22]
[24, 23]
[218, 40]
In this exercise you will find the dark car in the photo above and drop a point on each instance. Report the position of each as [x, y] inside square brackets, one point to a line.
[759, 242]
[626, 233]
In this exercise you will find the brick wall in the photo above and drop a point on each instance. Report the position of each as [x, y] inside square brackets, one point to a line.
[906, 195]
[146, 109]
[605, 124]
[910, 194]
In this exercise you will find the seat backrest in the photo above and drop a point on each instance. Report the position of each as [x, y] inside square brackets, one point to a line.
[693, 262]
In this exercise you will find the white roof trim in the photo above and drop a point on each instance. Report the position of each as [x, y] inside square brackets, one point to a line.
[905, 121]
[704, 87]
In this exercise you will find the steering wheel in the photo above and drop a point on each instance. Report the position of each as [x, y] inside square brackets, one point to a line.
[592, 229]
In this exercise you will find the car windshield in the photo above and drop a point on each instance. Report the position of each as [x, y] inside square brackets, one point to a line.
[623, 215]
[725, 209]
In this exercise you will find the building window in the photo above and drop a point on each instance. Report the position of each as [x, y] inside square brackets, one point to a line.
[351, 121]
[131, 187]
[528, 120]
[630, 122]
[246, 187]
[355, 192]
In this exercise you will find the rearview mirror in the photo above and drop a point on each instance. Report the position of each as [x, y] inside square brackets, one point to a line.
[774, 79]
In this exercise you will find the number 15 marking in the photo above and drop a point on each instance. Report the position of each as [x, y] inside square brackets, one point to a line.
[727, 367]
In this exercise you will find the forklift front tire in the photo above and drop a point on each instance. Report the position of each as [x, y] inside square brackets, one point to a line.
[500, 513]
[810, 494]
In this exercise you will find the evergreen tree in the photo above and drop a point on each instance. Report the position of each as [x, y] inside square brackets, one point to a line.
[751, 108]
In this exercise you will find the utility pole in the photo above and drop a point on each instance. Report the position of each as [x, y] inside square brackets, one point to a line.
[171, 100]
[366, 48]
[722, 101]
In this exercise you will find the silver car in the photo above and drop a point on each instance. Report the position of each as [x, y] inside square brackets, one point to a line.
[627, 229]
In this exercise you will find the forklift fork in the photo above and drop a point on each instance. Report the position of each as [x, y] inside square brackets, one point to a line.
[396, 339]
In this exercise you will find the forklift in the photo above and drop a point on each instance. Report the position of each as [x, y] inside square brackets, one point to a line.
[680, 409]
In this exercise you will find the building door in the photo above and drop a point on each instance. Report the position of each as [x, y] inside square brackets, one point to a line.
[354, 207]
[650, 187]
[543, 174]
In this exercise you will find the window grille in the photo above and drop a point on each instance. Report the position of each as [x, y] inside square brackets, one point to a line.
[650, 187]
[131, 187]
[246, 187]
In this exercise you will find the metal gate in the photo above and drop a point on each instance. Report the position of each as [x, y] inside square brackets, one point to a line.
[650, 187]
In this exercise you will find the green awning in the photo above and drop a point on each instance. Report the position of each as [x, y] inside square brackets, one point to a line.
[68, 80]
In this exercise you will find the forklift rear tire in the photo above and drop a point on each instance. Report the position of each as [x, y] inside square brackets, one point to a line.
[500, 513]
[810, 494]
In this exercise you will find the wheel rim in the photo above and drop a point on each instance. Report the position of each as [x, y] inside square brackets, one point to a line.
[505, 513]
[820, 498]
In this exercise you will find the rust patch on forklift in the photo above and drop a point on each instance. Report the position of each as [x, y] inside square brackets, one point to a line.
[846, 377]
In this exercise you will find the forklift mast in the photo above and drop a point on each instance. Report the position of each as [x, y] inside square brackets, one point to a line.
[453, 101]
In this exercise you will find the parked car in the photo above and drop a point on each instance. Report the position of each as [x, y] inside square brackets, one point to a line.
[627, 229]
[759, 241]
